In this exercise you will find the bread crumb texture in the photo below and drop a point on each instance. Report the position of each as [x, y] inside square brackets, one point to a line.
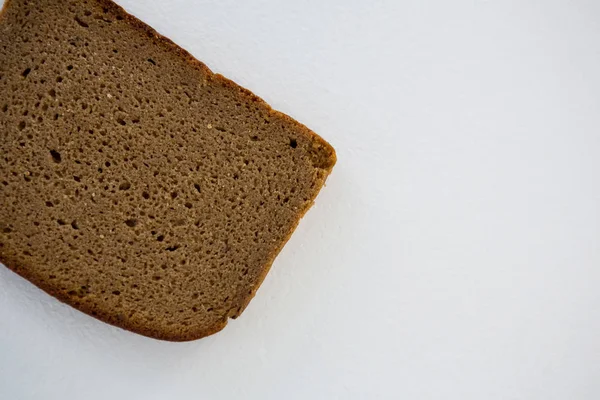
[136, 185]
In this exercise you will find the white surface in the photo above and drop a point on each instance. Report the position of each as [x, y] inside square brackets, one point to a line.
[454, 253]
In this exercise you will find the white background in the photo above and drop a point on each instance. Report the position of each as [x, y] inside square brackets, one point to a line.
[455, 252]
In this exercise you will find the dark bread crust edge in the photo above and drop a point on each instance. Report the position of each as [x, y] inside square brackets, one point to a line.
[326, 164]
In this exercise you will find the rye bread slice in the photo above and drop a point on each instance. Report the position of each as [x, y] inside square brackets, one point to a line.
[135, 184]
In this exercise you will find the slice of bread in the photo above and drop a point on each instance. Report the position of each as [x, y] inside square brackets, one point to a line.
[135, 184]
